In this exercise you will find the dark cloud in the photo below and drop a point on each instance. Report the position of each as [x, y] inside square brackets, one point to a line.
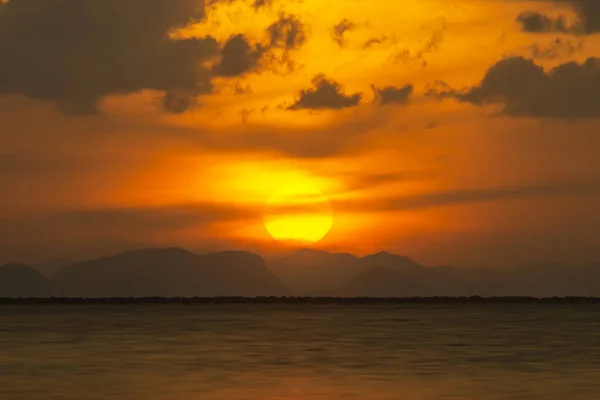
[442, 199]
[288, 33]
[156, 218]
[588, 12]
[239, 57]
[113, 229]
[299, 142]
[556, 49]
[325, 94]
[75, 52]
[340, 29]
[178, 101]
[262, 3]
[535, 22]
[570, 90]
[374, 41]
[393, 95]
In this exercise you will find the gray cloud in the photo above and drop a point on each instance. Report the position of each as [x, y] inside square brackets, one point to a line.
[442, 199]
[238, 57]
[570, 90]
[373, 42]
[325, 94]
[393, 95]
[340, 29]
[262, 3]
[535, 22]
[556, 49]
[588, 12]
[288, 33]
[99, 230]
[319, 142]
[74, 53]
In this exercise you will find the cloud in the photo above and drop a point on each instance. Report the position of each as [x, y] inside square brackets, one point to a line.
[99, 230]
[179, 101]
[74, 53]
[570, 90]
[556, 49]
[157, 218]
[262, 3]
[325, 94]
[438, 32]
[299, 142]
[588, 12]
[238, 57]
[393, 95]
[288, 33]
[535, 22]
[340, 29]
[450, 198]
[373, 42]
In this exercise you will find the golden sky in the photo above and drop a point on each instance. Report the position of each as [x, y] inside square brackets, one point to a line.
[455, 132]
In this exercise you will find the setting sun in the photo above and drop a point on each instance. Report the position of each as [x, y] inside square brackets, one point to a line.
[298, 214]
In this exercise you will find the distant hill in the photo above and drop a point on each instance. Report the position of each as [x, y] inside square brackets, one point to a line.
[551, 280]
[309, 271]
[319, 273]
[50, 267]
[391, 261]
[169, 273]
[382, 282]
[175, 272]
[314, 271]
[21, 281]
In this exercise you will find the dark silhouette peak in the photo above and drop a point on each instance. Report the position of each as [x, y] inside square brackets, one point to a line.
[16, 268]
[18, 280]
[317, 252]
[380, 271]
[52, 266]
[386, 255]
[167, 251]
[448, 268]
[305, 252]
[19, 271]
[389, 260]
[380, 281]
[236, 254]
[170, 272]
[310, 270]
[316, 257]
[382, 254]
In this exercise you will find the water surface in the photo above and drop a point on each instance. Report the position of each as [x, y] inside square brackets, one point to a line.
[300, 352]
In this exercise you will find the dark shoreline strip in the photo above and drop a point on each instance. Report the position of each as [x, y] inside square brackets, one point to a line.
[300, 300]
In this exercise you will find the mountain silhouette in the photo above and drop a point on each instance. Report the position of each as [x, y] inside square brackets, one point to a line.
[544, 280]
[320, 273]
[382, 282]
[169, 272]
[174, 272]
[312, 272]
[52, 266]
[391, 261]
[21, 281]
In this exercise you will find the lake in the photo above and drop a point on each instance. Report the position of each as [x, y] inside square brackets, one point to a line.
[300, 352]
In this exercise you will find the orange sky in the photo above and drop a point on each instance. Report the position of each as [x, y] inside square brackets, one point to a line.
[443, 181]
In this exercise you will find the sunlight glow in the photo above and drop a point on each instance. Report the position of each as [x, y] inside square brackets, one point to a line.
[298, 214]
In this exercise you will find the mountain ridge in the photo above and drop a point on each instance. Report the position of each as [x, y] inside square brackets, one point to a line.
[176, 272]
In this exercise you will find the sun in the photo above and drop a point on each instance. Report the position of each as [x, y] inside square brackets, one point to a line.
[298, 214]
